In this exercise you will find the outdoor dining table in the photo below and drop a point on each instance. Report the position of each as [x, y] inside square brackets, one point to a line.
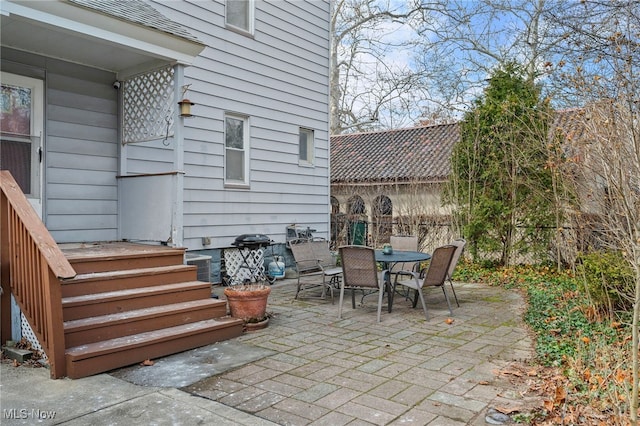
[397, 256]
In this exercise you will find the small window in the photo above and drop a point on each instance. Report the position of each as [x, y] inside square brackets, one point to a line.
[382, 206]
[239, 15]
[236, 136]
[335, 205]
[355, 205]
[306, 146]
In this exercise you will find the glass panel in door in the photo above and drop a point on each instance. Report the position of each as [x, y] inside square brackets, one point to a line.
[21, 122]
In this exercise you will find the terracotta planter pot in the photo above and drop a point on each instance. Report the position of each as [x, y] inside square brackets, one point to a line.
[248, 302]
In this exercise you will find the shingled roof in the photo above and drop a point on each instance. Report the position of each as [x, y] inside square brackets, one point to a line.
[139, 12]
[417, 153]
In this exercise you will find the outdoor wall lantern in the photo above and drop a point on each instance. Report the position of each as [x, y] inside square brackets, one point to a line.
[185, 104]
[185, 108]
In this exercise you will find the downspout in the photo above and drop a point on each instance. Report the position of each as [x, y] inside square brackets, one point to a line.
[177, 219]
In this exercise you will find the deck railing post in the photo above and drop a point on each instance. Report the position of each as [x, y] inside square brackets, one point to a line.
[57, 363]
[5, 299]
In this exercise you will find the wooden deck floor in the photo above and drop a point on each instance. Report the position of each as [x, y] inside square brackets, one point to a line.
[107, 249]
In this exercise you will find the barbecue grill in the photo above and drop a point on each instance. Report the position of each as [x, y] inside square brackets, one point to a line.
[247, 262]
[252, 241]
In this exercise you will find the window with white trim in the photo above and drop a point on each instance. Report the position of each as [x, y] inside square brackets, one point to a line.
[239, 15]
[306, 146]
[236, 152]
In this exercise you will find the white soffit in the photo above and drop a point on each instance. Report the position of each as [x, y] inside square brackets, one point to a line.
[65, 31]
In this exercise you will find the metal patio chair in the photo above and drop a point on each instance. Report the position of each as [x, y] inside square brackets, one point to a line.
[404, 242]
[360, 272]
[313, 257]
[435, 276]
[460, 243]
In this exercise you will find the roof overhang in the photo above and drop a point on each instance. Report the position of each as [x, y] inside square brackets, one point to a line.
[65, 31]
[369, 183]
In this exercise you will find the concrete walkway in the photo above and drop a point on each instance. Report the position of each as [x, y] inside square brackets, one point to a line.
[309, 368]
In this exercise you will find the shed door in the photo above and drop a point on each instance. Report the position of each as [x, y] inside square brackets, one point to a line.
[21, 124]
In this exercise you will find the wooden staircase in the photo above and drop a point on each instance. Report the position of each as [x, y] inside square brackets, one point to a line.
[132, 302]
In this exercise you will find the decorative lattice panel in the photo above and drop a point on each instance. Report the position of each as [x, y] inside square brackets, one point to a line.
[148, 106]
[27, 333]
[244, 265]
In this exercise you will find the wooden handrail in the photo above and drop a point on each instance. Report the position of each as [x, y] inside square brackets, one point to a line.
[31, 268]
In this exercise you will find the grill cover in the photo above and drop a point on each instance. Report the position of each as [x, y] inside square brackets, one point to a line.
[251, 240]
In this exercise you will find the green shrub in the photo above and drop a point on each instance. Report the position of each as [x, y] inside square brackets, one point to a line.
[608, 280]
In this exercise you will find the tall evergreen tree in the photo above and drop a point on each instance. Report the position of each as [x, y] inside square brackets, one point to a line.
[500, 181]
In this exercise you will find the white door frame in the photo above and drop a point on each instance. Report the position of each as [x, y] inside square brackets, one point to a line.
[37, 163]
[36, 134]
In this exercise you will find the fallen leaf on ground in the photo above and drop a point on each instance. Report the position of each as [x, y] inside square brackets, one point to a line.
[511, 372]
[147, 363]
[507, 410]
[449, 321]
[561, 394]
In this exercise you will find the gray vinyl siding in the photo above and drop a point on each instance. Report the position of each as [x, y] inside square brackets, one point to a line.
[279, 79]
[149, 157]
[80, 147]
[82, 154]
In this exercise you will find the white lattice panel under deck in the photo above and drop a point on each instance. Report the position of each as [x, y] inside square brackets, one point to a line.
[28, 334]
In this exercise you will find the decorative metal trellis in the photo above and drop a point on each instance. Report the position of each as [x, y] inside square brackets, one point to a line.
[148, 107]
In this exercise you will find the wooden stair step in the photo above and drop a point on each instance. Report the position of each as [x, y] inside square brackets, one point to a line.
[94, 358]
[106, 327]
[126, 279]
[100, 257]
[102, 264]
[91, 305]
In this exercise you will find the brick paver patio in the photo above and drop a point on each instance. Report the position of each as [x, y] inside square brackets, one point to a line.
[403, 370]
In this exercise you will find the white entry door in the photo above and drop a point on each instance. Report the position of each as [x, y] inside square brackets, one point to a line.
[21, 124]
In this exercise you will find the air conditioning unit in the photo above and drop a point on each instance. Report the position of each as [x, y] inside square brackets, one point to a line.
[203, 262]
